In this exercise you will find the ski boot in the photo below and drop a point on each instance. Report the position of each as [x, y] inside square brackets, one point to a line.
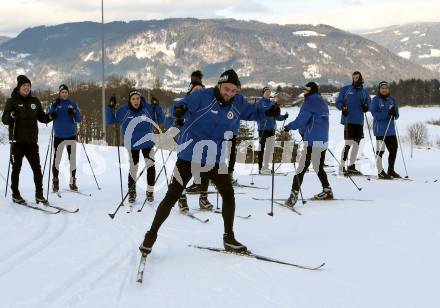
[55, 185]
[351, 170]
[39, 198]
[394, 174]
[150, 197]
[232, 245]
[193, 188]
[383, 176]
[183, 204]
[132, 195]
[148, 243]
[17, 198]
[293, 198]
[326, 194]
[72, 184]
[265, 171]
[204, 203]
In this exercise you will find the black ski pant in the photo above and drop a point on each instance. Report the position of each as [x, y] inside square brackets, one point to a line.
[183, 171]
[232, 155]
[58, 147]
[392, 145]
[31, 152]
[263, 135]
[151, 169]
[353, 134]
[313, 155]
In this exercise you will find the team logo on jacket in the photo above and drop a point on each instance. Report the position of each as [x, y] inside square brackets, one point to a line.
[230, 115]
[33, 106]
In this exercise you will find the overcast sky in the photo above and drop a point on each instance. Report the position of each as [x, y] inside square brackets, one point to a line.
[351, 15]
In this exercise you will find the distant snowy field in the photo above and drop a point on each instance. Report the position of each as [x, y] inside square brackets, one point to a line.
[379, 253]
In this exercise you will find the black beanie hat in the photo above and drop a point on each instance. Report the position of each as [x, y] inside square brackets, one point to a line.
[230, 76]
[21, 80]
[311, 87]
[265, 89]
[383, 83]
[63, 87]
[133, 92]
[196, 76]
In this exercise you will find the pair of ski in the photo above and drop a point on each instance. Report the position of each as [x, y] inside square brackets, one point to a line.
[142, 263]
[59, 195]
[48, 209]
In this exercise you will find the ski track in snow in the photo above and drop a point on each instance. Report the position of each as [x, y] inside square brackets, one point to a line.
[387, 247]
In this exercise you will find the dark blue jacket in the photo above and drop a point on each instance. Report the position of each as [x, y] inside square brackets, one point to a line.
[140, 120]
[64, 126]
[264, 122]
[211, 123]
[379, 109]
[313, 121]
[353, 98]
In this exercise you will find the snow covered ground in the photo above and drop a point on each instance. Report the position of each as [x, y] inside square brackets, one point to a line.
[379, 253]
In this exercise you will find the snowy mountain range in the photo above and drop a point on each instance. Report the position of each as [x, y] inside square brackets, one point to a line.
[170, 49]
[417, 42]
[3, 39]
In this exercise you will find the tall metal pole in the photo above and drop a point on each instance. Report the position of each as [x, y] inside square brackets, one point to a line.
[104, 134]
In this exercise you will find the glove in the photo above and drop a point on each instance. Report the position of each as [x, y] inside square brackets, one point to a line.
[345, 111]
[14, 114]
[286, 129]
[180, 111]
[365, 107]
[70, 110]
[53, 115]
[112, 102]
[392, 111]
[273, 111]
[285, 116]
[179, 121]
[154, 101]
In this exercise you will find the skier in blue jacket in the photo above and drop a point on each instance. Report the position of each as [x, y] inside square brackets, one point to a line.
[212, 114]
[353, 101]
[385, 111]
[66, 115]
[136, 118]
[266, 132]
[313, 121]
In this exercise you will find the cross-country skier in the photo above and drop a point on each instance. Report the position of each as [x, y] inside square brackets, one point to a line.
[385, 110]
[211, 115]
[136, 117]
[21, 114]
[313, 120]
[204, 204]
[353, 101]
[65, 114]
[266, 133]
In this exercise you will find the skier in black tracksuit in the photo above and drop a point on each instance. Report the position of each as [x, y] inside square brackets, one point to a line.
[22, 114]
[354, 102]
[212, 113]
[65, 114]
[385, 111]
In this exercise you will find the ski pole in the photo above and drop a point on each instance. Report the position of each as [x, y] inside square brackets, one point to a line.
[47, 153]
[163, 167]
[401, 150]
[112, 215]
[369, 132]
[50, 164]
[11, 142]
[90, 164]
[273, 185]
[119, 160]
[349, 176]
[383, 140]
